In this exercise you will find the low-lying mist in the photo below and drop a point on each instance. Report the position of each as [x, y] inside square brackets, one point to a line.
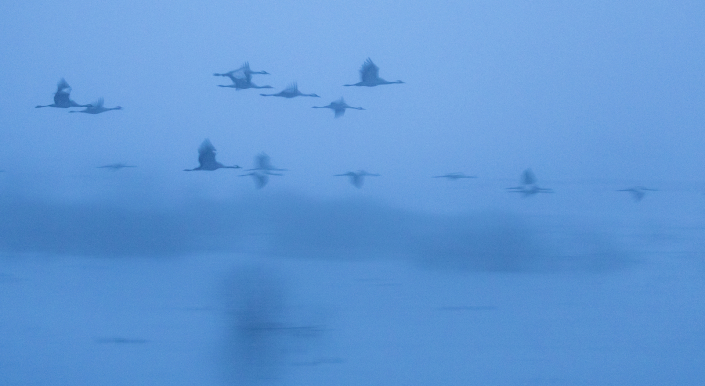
[294, 226]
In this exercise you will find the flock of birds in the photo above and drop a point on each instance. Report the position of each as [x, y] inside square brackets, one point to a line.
[241, 79]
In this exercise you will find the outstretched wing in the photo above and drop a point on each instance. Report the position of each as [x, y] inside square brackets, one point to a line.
[62, 94]
[98, 104]
[260, 180]
[357, 180]
[242, 83]
[637, 195]
[62, 99]
[528, 178]
[338, 107]
[63, 86]
[369, 71]
[262, 162]
[292, 87]
[206, 153]
[239, 76]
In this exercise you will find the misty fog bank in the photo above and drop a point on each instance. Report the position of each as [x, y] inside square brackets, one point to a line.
[296, 226]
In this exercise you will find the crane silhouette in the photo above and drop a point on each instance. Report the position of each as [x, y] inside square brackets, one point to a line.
[263, 164]
[260, 179]
[242, 84]
[291, 91]
[357, 178]
[62, 97]
[637, 192]
[338, 107]
[242, 78]
[455, 176]
[369, 76]
[262, 170]
[528, 185]
[243, 72]
[206, 158]
[96, 108]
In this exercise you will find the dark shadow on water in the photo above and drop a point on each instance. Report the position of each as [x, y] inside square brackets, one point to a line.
[262, 337]
[255, 315]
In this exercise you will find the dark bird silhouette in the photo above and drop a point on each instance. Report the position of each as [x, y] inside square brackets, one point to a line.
[96, 108]
[243, 72]
[528, 185]
[116, 167]
[242, 78]
[262, 170]
[357, 178]
[369, 76]
[455, 176]
[260, 179]
[242, 84]
[637, 192]
[206, 158]
[263, 164]
[290, 92]
[338, 107]
[62, 97]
